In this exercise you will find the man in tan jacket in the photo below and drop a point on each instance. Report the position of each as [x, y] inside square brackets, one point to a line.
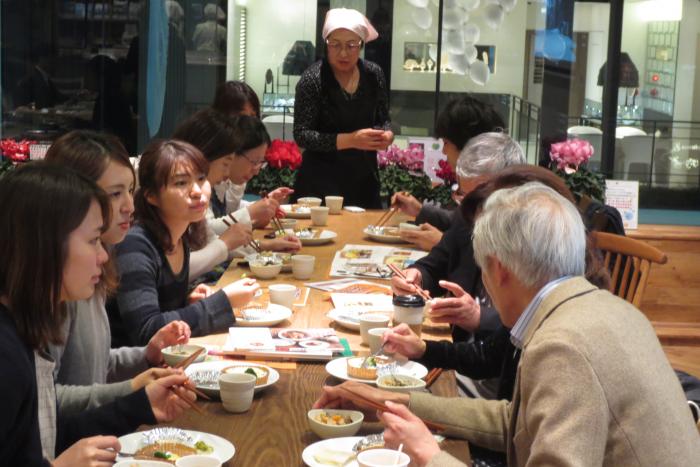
[593, 385]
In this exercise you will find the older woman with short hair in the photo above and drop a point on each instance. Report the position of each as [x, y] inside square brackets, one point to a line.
[341, 115]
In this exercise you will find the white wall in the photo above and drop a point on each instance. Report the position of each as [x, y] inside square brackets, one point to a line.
[686, 105]
[273, 26]
[509, 41]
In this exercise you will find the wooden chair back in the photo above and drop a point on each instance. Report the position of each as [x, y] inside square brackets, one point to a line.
[628, 261]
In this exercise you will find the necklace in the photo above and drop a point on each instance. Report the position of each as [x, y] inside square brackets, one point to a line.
[350, 87]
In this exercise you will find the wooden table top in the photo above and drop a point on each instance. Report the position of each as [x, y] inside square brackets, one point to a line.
[275, 430]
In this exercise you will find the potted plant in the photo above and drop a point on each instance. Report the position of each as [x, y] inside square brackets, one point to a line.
[283, 160]
[569, 160]
[402, 170]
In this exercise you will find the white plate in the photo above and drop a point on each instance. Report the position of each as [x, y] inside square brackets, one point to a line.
[287, 208]
[383, 238]
[222, 448]
[344, 318]
[261, 318]
[218, 365]
[333, 444]
[326, 236]
[339, 369]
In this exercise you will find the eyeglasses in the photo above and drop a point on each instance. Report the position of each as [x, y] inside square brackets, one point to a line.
[350, 46]
[261, 164]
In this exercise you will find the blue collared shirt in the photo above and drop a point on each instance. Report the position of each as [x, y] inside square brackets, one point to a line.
[517, 334]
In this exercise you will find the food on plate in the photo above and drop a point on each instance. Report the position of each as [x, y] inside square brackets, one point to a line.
[386, 231]
[333, 419]
[266, 258]
[301, 208]
[369, 371]
[261, 374]
[166, 450]
[203, 447]
[332, 457]
[305, 233]
[374, 441]
[293, 334]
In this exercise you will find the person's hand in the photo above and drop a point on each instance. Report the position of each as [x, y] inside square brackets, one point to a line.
[241, 292]
[406, 286]
[368, 139]
[263, 210]
[461, 309]
[426, 238]
[387, 138]
[167, 406]
[237, 235]
[334, 397]
[401, 339]
[406, 203]
[147, 377]
[288, 244]
[96, 451]
[279, 194]
[198, 293]
[403, 427]
[175, 332]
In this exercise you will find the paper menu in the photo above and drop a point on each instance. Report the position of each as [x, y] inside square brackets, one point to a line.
[351, 286]
[283, 343]
[362, 302]
[624, 196]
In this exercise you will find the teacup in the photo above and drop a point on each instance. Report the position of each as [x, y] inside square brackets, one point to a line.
[382, 458]
[370, 321]
[236, 390]
[374, 338]
[319, 215]
[335, 204]
[283, 294]
[303, 266]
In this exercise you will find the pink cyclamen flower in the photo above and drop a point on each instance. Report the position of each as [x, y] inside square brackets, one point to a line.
[569, 155]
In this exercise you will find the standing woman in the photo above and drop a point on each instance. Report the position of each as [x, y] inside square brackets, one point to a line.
[153, 260]
[341, 115]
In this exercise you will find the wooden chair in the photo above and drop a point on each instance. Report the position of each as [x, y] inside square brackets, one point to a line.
[631, 260]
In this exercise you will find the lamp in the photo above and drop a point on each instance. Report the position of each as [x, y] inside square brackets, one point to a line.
[629, 76]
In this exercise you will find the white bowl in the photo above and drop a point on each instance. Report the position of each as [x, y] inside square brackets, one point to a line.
[335, 431]
[269, 271]
[310, 201]
[411, 383]
[198, 460]
[174, 355]
[142, 463]
[406, 226]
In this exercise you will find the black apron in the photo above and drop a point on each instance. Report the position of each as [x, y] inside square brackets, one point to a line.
[351, 173]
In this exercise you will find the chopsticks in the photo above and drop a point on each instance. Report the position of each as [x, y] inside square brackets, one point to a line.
[183, 364]
[399, 272]
[385, 217]
[277, 225]
[360, 399]
[253, 244]
[192, 404]
[433, 375]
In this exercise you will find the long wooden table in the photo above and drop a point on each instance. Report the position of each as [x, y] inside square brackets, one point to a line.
[275, 430]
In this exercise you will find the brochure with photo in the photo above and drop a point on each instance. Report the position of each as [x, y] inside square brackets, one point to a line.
[372, 261]
[351, 286]
[283, 343]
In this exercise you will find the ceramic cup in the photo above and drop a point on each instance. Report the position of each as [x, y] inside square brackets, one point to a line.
[319, 215]
[310, 201]
[303, 266]
[335, 204]
[374, 338]
[382, 458]
[370, 321]
[283, 294]
[236, 391]
[198, 460]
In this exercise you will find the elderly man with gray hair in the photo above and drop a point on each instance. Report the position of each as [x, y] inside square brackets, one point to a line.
[593, 386]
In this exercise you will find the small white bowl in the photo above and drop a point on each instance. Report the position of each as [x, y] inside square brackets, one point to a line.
[172, 355]
[198, 460]
[335, 431]
[142, 463]
[411, 383]
[269, 271]
[310, 201]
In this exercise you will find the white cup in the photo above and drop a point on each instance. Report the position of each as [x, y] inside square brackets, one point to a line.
[382, 458]
[236, 390]
[198, 460]
[303, 266]
[283, 294]
[370, 321]
[319, 215]
[374, 338]
[335, 204]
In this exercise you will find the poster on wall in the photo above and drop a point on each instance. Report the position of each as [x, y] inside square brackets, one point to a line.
[432, 153]
[624, 196]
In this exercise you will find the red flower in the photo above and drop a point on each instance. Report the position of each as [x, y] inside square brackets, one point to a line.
[281, 154]
[445, 172]
[16, 151]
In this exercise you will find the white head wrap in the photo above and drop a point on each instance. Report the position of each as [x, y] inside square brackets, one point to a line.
[353, 20]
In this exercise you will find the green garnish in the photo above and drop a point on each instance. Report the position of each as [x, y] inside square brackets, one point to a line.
[203, 447]
[161, 455]
[250, 371]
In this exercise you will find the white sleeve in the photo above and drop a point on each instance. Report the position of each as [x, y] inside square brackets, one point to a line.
[204, 260]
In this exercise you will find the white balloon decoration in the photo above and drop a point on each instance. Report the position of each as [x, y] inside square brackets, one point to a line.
[471, 33]
[454, 41]
[409, 31]
[452, 18]
[493, 14]
[450, 3]
[458, 64]
[470, 5]
[470, 52]
[418, 3]
[479, 72]
[422, 17]
[507, 5]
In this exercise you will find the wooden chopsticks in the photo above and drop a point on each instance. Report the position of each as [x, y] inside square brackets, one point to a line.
[360, 399]
[385, 217]
[183, 364]
[253, 244]
[277, 225]
[432, 375]
[399, 272]
[192, 404]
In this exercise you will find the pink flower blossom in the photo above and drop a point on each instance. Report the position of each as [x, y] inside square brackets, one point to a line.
[409, 159]
[569, 155]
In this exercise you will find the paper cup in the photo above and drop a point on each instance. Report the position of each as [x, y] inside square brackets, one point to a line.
[236, 390]
[370, 321]
[303, 266]
[335, 204]
[319, 215]
[383, 458]
[283, 294]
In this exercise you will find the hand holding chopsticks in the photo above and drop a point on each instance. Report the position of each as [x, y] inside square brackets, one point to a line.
[229, 220]
[385, 217]
[400, 273]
